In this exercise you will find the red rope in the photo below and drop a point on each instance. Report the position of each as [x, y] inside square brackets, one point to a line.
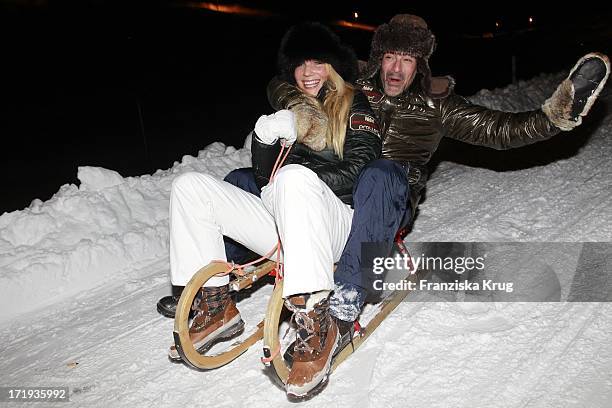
[279, 162]
[239, 269]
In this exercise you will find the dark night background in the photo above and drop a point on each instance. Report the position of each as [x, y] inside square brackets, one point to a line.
[134, 86]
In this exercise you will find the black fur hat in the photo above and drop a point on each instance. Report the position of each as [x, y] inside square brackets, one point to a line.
[315, 41]
[409, 34]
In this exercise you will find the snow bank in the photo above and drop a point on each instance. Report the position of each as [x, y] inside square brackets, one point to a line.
[523, 96]
[100, 231]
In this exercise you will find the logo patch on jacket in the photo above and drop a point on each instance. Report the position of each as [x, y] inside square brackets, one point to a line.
[362, 121]
[372, 95]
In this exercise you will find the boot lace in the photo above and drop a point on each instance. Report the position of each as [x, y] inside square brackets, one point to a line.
[305, 332]
[306, 328]
[208, 303]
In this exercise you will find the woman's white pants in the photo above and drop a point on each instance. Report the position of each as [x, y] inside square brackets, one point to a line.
[312, 222]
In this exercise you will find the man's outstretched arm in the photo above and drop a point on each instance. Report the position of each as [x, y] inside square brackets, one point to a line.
[564, 110]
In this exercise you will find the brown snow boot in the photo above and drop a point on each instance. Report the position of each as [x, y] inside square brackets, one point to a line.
[216, 319]
[316, 339]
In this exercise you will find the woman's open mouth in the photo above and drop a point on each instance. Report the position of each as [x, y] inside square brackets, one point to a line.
[311, 83]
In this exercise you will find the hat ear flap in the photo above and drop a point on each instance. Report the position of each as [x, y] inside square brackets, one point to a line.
[423, 69]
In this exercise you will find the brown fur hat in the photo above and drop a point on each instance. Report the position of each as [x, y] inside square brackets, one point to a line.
[409, 34]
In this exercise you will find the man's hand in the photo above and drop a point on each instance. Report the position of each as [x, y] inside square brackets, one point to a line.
[311, 124]
[279, 125]
[576, 94]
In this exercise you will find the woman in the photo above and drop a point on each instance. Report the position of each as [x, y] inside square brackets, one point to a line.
[306, 205]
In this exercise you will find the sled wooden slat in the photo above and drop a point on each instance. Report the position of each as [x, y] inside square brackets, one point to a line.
[243, 282]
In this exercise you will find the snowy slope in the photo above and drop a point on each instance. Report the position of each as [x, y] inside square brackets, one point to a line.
[95, 233]
[80, 275]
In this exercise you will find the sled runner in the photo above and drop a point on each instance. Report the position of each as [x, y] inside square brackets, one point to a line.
[184, 347]
[269, 328]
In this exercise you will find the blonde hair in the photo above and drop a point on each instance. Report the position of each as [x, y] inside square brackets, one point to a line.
[337, 105]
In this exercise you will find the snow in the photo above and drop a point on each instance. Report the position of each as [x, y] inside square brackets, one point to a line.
[93, 234]
[80, 275]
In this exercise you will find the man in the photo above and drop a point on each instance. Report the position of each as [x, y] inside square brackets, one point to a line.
[416, 111]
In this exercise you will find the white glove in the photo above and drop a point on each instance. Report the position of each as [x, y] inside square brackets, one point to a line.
[279, 125]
